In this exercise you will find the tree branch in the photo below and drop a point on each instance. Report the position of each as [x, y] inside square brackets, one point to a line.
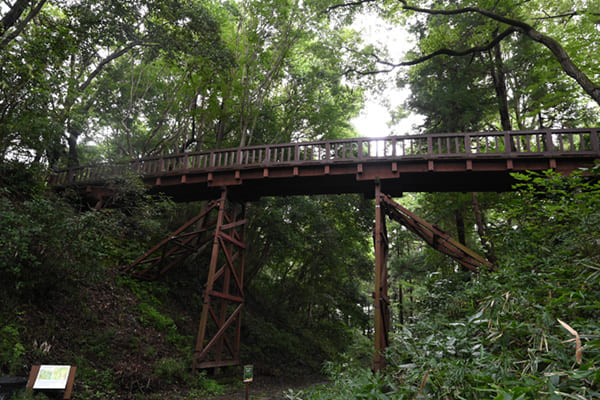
[557, 50]
[105, 62]
[460, 53]
[351, 4]
[448, 52]
[466, 10]
[19, 27]
[13, 14]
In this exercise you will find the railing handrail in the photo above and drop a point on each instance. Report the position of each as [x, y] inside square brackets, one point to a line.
[546, 142]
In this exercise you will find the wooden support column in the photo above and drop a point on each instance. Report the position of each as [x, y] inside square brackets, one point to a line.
[218, 340]
[381, 301]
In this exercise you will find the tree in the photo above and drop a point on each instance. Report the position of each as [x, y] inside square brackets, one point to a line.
[309, 268]
[69, 49]
[152, 100]
[287, 83]
[453, 94]
[494, 90]
[500, 21]
[277, 77]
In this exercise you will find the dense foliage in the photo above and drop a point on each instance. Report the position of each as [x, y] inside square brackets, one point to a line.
[87, 81]
[528, 331]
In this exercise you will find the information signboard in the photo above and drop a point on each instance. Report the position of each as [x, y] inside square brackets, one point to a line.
[248, 373]
[52, 377]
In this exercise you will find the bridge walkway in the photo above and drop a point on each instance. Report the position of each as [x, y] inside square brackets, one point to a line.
[414, 163]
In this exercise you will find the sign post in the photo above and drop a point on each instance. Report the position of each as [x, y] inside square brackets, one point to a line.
[52, 377]
[248, 377]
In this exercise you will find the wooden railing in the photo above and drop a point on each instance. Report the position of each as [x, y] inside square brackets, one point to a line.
[538, 143]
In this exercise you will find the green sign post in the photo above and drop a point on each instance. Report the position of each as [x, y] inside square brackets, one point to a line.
[248, 373]
[248, 377]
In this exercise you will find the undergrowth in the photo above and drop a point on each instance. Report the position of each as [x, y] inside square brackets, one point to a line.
[527, 331]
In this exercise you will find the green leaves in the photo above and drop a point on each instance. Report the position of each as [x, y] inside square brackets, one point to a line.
[310, 266]
[499, 335]
[522, 57]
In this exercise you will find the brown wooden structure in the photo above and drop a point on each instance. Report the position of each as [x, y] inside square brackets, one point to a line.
[221, 226]
[376, 167]
[413, 163]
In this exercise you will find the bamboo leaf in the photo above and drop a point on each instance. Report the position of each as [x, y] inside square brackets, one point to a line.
[578, 348]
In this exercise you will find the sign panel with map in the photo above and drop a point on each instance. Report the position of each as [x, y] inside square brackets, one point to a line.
[52, 377]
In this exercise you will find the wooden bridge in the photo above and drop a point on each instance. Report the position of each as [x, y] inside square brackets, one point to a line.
[416, 163]
[376, 167]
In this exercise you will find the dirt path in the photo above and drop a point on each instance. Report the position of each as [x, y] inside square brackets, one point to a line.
[270, 388]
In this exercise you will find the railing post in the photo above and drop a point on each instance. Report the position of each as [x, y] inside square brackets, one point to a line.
[467, 144]
[360, 149]
[507, 142]
[429, 146]
[594, 140]
[549, 144]
[238, 156]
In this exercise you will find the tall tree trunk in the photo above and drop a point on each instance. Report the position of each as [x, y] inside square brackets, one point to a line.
[499, 78]
[400, 304]
[220, 126]
[460, 227]
[73, 160]
[481, 230]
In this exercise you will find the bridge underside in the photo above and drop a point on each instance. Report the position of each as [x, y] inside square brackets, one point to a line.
[395, 178]
[222, 223]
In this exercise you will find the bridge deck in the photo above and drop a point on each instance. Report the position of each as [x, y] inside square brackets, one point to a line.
[415, 163]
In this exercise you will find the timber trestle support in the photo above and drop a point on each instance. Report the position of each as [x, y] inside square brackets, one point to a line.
[218, 340]
[220, 227]
[433, 235]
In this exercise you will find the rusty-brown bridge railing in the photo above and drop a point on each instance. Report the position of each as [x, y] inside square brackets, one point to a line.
[512, 144]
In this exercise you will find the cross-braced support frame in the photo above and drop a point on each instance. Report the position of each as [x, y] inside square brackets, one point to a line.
[192, 237]
[220, 224]
[218, 340]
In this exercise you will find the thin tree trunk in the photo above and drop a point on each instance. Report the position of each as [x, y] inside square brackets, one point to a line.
[73, 160]
[400, 304]
[499, 78]
[480, 222]
[460, 227]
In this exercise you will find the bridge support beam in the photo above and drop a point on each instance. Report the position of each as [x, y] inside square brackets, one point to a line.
[218, 340]
[220, 227]
[381, 300]
[434, 236]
